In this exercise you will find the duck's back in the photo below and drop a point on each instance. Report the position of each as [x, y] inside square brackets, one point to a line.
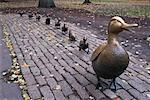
[111, 62]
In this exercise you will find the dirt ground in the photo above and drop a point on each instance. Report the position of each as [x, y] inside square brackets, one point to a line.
[137, 43]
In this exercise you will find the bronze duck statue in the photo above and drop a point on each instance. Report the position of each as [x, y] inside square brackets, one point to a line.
[47, 22]
[64, 29]
[38, 17]
[71, 36]
[57, 24]
[110, 60]
[30, 15]
[83, 45]
[21, 14]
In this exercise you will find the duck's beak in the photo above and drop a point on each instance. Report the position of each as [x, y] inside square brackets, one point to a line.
[126, 27]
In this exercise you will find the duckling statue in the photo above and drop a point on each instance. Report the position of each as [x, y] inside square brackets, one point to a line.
[47, 22]
[83, 45]
[57, 24]
[71, 36]
[110, 60]
[30, 15]
[38, 17]
[21, 14]
[64, 29]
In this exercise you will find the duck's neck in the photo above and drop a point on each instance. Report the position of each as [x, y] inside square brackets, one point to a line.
[112, 38]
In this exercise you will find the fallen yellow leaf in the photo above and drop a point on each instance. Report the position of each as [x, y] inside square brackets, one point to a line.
[25, 65]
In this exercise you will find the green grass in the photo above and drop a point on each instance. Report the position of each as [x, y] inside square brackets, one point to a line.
[125, 10]
[136, 8]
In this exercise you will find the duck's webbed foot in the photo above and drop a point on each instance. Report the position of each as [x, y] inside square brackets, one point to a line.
[99, 86]
[112, 85]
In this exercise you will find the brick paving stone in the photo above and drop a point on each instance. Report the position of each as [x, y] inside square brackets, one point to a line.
[66, 89]
[27, 57]
[29, 79]
[61, 70]
[43, 49]
[80, 70]
[70, 63]
[51, 50]
[30, 62]
[132, 71]
[44, 60]
[58, 67]
[51, 82]
[123, 83]
[47, 93]
[35, 71]
[34, 92]
[36, 48]
[138, 80]
[98, 95]
[135, 61]
[74, 97]
[62, 62]
[144, 78]
[70, 70]
[124, 94]
[137, 86]
[20, 61]
[45, 72]
[147, 94]
[25, 70]
[137, 94]
[64, 56]
[54, 62]
[50, 67]
[138, 68]
[57, 55]
[91, 78]
[40, 80]
[57, 76]
[59, 95]
[35, 59]
[49, 56]
[19, 55]
[40, 54]
[40, 64]
[69, 78]
[110, 94]
[124, 76]
[80, 90]
[83, 64]
[90, 69]
[83, 81]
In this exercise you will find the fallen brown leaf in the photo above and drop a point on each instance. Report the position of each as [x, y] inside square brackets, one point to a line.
[25, 65]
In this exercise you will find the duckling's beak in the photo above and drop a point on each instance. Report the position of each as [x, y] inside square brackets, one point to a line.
[125, 26]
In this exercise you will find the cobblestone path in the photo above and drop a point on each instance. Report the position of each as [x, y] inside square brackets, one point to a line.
[58, 71]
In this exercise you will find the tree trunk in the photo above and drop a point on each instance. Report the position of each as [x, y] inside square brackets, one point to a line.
[86, 1]
[2, 1]
[46, 4]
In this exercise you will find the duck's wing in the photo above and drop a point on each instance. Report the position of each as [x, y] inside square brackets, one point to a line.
[98, 51]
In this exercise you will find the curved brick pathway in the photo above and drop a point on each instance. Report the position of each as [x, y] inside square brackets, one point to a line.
[6, 89]
[55, 62]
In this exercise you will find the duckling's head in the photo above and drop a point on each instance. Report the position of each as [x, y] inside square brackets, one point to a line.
[117, 25]
[84, 39]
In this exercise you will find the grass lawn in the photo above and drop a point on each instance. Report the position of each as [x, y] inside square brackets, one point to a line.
[133, 8]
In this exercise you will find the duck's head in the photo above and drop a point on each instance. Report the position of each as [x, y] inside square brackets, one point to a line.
[117, 25]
